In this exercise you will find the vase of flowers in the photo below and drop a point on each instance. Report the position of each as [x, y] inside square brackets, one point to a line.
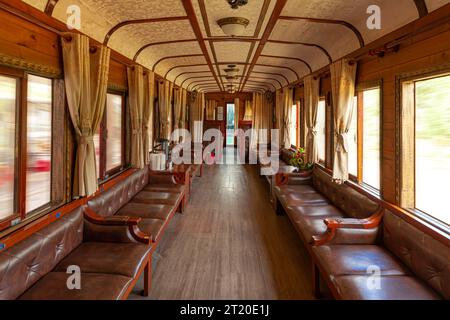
[299, 161]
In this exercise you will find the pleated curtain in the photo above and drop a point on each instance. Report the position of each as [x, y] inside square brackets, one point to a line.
[343, 75]
[184, 108]
[287, 103]
[262, 119]
[86, 81]
[211, 106]
[137, 97]
[197, 107]
[177, 108]
[311, 105]
[147, 115]
[165, 93]
[237, 110]
[248, 116]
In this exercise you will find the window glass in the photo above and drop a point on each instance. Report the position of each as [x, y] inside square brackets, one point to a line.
[7, 145]
[321, 130]
[371, 138]
[432, 147]
[353, 141]
[39, 142]
[293, 129]
[114, 131]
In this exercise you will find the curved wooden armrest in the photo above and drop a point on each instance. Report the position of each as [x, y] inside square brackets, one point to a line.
[130, 222]
[333, 225]
[282, 179]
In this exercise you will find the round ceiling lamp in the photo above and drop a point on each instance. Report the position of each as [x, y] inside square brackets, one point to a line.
[231, 71]
[233, 26]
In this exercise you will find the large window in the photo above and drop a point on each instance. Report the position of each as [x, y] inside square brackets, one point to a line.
[25, 146]
[321, 130]
[432, 147]
[364, 138]
[109, 140]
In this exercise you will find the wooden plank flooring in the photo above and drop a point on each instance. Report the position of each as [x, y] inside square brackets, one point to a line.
[230, 244]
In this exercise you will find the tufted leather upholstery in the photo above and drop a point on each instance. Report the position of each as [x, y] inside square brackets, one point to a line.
[36, 267]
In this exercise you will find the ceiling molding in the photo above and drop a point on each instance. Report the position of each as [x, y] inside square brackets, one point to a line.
[190, 72]
[251, 77]
[198, 33]
[190, 78]
[289, 58]
[421, 8]
[269, 28]
[274, 74]
[175, 57]
[200, 82]
[159, 44]
[330, 60]
[50, 6]
[329, 21]
[140, 21]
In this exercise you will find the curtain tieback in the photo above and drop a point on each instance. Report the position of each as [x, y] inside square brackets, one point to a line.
[85, 140]
[342, 142]
[312, 133]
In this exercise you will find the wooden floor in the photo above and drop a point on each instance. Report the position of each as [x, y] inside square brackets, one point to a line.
[230, 244]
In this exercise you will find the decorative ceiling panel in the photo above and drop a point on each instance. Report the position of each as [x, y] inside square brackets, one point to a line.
[38, 4]
[394, 14]
[179, 70]
[285, 72]
[164, 66]
[152, 54]
[232, 51]
[300, 68]
[435, 4]
[316, 33]
[195, 74]
[315, 57]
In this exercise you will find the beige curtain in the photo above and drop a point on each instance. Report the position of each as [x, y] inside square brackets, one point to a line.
[197, 107]
[137, 92]
[147, 115]
[184, 109]
[177, 108]
[165, 94]
[286, 113]
[262, 119]
[248, 116]
[311, 106]
[211, 107]
[237, 106]
[86, 80]
[343, 75]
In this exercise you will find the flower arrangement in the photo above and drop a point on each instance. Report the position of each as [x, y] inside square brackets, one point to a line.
[299, 161]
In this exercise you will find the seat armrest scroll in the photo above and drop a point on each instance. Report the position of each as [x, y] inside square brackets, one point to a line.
[293, 178]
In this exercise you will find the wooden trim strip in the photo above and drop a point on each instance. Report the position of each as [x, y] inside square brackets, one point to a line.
[159, 44]
[175, 57]
[421, 8]
[330, 60]
[289, 58]
[140, 21]
[329, 21]
[261, 78]
[51, 4]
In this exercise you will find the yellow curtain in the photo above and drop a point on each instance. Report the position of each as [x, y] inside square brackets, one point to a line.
[184, 109]
[178, 108]
[165, 93]
[137, 88]
[262, 119]
[286, 113]
[147, 119]
[343, 75]
[248, 116]
[237, 108]
[311, 105]
[211, 106]
[86, 81]
[197, 107]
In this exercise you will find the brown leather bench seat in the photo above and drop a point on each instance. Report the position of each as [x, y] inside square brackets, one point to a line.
[36, 268]
[411, 264]
[153, 198]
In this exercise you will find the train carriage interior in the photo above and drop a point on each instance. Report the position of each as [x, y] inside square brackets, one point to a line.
[207, 150]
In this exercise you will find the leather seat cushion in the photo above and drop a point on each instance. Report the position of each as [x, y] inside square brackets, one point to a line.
[148, 211]
[53, 286]
[292, 188]
[354, 287]
[322, 211]
[157, 197]
[109, 258]
[357, 259]
[152, 227]
[171, 188]
[292, 198]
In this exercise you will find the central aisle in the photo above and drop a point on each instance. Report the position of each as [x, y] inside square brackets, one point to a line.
[230, 244]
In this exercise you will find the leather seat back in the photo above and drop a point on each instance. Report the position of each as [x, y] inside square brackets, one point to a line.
[25, 263]
[107, 203]
[353, 203]
[427, 257]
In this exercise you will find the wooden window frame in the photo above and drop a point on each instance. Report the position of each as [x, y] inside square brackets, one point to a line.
[405, 142]
[57, 194]
[359, 93]
[104, 175]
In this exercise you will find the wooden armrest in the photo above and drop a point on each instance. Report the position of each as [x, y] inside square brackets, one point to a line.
[282, 179]
[333, 225]
[131, 223]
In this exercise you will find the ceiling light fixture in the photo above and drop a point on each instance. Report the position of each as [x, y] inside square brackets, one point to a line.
[235, 4]
[233, 26]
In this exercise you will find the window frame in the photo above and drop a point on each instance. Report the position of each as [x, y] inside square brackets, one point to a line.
[406, 128]
[20, 214]
[104, 174]
[359, 93]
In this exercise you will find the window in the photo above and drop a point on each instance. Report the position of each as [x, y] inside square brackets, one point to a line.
[293, 131]
[39, 142]
[25, 133]
[109, 139]
[432, 147]
[321, 130]
[8, 103]
[364, 138]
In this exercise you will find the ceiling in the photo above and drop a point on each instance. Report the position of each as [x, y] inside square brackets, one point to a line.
[284, 41]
